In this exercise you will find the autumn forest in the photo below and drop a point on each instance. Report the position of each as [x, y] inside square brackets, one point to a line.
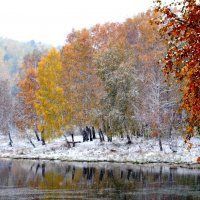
[136, 78]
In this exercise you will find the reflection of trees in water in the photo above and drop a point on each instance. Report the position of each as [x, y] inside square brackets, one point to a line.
[5, 173]
[47, 175]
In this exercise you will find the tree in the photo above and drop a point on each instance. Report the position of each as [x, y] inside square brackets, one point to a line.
[179, 24]
[155, 101]
[160, 104]
[51, 106]
[26, 116]
[28, 87]
[116, 69]
[31, 60]
[6, 109]
[81, 83]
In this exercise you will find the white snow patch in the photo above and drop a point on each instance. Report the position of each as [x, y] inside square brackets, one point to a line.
[140, 151]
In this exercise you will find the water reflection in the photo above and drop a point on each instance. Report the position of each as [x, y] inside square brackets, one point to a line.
[60, 180]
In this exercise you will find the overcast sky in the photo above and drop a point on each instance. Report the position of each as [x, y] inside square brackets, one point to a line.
[49, 21]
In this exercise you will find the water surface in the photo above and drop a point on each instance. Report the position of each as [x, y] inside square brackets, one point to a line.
[23, 179]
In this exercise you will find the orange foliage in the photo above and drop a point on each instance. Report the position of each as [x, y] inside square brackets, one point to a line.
[80, 82]
[181, 28]
[107, 35]
[198, 160]
[28, 88]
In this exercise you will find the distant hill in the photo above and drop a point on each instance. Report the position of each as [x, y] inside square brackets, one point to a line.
[12, 53]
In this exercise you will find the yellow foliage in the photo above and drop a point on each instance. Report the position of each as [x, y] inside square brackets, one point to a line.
[51, 105]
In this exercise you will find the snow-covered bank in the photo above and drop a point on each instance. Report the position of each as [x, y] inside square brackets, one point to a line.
[140, 151]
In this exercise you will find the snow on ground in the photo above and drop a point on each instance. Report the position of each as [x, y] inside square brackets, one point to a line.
[140, 151]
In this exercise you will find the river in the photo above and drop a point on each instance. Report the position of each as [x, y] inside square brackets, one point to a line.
[28, 179]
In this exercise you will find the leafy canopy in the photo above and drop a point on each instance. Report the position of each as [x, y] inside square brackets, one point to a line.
[179, 23]
[51, 105]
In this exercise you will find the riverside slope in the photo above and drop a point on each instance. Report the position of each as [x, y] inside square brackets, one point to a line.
[140, 151]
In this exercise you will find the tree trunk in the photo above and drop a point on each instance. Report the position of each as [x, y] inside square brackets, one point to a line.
[171, 124]
[67, 142]
[90, 134]
[129, 139]
[29, 139]
[160, 143]
[126, 131]
[31, 142]
[110, 138]
[170, 131]
[138, 134]
[73, 139]
[37, 136]
[85, 135]
[43, 141]
[100, 135]
[10, 139]
[93, 133]
[42, 138]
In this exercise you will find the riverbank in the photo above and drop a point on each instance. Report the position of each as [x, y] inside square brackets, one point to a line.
[140, 151]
